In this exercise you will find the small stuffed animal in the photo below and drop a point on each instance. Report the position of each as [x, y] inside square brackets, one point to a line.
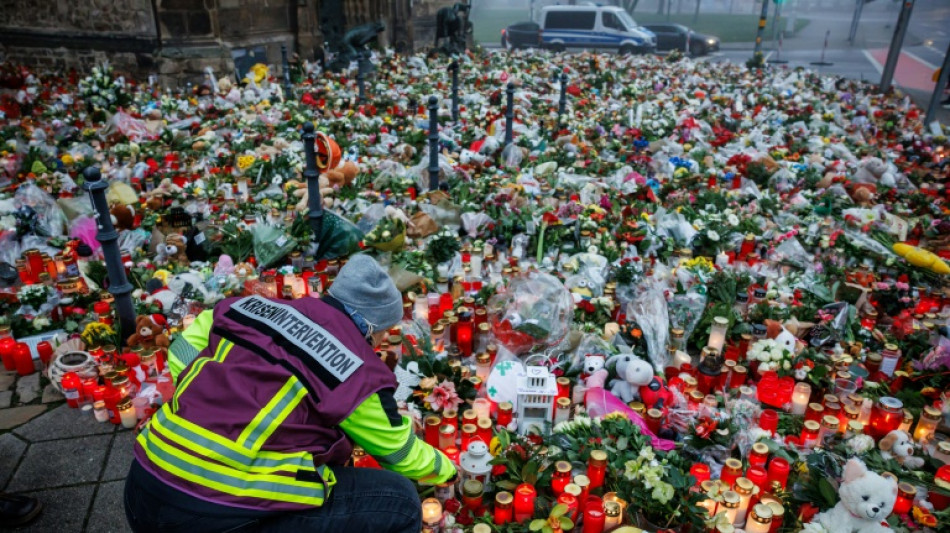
[592, 363]
[149, 331]
[173, 251]
[123, 216]
[866, 499]
[633, 373]
[897, 445]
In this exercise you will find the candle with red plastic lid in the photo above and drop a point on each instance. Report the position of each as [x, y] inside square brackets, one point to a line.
[700, 471]
[23, 359]
[525, 496]
[768, 421]
[778, 471]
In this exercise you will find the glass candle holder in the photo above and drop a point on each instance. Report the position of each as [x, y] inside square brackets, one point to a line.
[431, 515]
[613, 515]
[778, 471]
[886, 416]
[432, 425]
[731, 471]
[760, 519]
[801, 395]
[730, 505]
[561, 476]
[709, 503]
[759, 454]
[717, 333]
[524, 498]
[447, 436]
[701, 472]
[768, 421]
[814, 412]
[744, 488]
[503, 512]
[505, 413]
[597, 468]
[809, 435]
[927, 425]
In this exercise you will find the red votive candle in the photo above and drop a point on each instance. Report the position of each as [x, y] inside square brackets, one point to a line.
[45, 350]
[7, 349]
[759, 454]
[594, 519]
[505, 413]
[778, 471]
[597, 468]
[758, 476]
[700, 471]
[768, 421]
[432, 430]
[23, 359]
[524, 495]
[503, 512]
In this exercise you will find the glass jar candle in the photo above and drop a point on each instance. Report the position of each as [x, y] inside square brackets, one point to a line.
[469, 433]
[760, 519]
[482, 366]
[100, 411]
[814, 412]
[482, 407]
[472, 492]
[613, 515]
[801, 396]
[450, 417]
[759, 455]
[717, 334]
[570, 498]
[484, 432]
[709, 503]
[612, 497]
[701, 472]
[927, 425]
[744, 487]
[810, 433]
[738, 377]
[503, 512]
[731, 471]
[778, 515]
[730, 505]
[469, 416]
[778, 471]
[431, 515]
[447, 436]
[890, 359]
[886, 416]
[127, 413]
[524, 498]
[768, 421]
[595, 520]
[561, 476]
[505, 413]
[905, 498]
[432, 425]
[677, 339]
[829, 428]
[758, 476]
[563, 410]
[582, 482]
[597, 468]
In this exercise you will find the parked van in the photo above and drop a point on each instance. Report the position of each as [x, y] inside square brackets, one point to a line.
[593, 26]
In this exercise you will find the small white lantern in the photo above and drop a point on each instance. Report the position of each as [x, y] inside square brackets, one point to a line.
[536, 392]
[475, 463]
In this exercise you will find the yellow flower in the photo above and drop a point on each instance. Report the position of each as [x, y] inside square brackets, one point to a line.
[67, 159]
[259, 71]
[162, 274]
[244, 161]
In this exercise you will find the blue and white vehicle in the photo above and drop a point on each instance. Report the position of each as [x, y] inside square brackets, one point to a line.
[591, 26]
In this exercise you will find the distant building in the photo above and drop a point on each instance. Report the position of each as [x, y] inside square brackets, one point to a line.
[178, 39]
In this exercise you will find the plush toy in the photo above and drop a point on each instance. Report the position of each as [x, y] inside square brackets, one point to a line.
[123, 216]
[592, 363]
[897, 445]
[149, 331]
[173, 251]
[186, 284]
[632, 373]
[155, 199]
[866, 499]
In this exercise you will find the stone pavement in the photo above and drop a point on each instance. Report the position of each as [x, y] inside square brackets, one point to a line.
[73, 464]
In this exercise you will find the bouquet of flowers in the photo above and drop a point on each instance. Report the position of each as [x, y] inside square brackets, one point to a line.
[389, 235]
[101, 91]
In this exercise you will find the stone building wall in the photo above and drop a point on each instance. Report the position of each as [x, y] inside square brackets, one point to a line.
[179, 39]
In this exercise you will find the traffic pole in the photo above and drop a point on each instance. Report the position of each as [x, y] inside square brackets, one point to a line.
[822, 62]
[119, 285]
[509, 113]
[433, 143]
[858, 8]
[562, 103]
[938, 90]
[762, 20]
[778, 54]
[896, 43]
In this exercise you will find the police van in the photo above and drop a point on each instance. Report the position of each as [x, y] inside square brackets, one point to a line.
[591, 26]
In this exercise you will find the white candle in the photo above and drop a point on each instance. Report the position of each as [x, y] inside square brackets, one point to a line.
[482, 407]
[639, 114]
[800, 398]
[431, 515]
[421, 309]
[722, 260]
[680, 358]
[717, 333]
[476, 264]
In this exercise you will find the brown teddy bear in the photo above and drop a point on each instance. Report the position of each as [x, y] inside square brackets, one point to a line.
[173, 251]
[150, 332]
[123, 216]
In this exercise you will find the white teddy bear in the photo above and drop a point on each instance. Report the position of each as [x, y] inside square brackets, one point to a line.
[633, 373]
[866, 500]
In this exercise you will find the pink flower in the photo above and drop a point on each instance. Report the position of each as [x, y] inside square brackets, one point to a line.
[902, 286]
[443, 396]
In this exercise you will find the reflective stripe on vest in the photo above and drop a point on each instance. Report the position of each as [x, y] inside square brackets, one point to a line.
[224, 346]
[239, 468]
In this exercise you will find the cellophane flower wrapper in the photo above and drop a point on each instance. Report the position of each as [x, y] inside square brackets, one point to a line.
[271, 244]
[588, 271]
[535, 310]
[675, 226]
[590, 345]
[792, 251]
[651, 313]
[686, 309]
[50, 220]
[338, 237]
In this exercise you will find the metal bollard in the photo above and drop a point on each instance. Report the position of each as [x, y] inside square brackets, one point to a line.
[119, 285]
[288, 85]
[509, 113]
[455, 91]
[310, 173]
[433, 143]
[562, 103]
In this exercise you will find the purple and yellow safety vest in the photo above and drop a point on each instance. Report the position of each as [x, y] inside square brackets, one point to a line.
[255, 419]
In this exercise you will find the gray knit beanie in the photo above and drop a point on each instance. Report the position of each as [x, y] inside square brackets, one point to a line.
[367, 289]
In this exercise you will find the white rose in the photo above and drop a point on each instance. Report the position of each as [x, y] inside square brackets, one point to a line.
[713, 236]
[777, 354]
[733, 220]
[765, 367]
[787, 365]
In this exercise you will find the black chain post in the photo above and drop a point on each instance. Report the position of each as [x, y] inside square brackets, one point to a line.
[509, 113]
[455, 91]
[310, 173]
[562, 103]
[433, 143]
[119, 285]
[288, 85]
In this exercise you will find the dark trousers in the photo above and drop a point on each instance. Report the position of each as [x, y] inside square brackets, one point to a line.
[363, 500]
